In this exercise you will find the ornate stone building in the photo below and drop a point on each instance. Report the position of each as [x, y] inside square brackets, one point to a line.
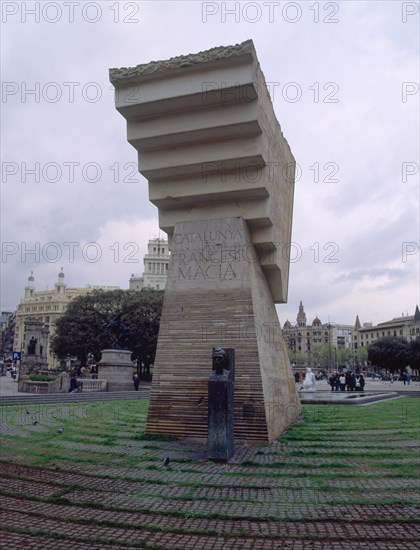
[319, 343]
[406, 326]
[156, 263]
[44, 307]
[315, 344]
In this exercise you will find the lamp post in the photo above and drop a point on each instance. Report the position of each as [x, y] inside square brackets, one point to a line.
[330, 326]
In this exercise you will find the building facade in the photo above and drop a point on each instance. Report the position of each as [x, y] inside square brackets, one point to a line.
[317, 344]
[406, 326]
[44, 306]
[156, 264]
[332, 344]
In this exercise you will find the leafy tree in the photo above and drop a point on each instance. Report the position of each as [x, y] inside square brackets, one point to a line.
[413, 354]
[142, 311]
[297, 357]
[389, 352]
[322, 355]
[80, 329]
[344, 356]
[361, 355]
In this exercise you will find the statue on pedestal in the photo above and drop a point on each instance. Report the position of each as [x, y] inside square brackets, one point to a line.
[220, 364]
[220, 405]
[32, 346]
[120, 332]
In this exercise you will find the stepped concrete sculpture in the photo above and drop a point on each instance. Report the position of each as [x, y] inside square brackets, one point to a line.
[222, 176]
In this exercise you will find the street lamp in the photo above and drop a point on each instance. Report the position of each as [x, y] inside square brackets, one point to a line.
[331, 325]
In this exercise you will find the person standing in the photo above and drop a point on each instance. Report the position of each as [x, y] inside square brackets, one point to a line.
[360, 382]
[73, 383]
[342, 382]
[352, 382]
[136, 381]
[337, 381]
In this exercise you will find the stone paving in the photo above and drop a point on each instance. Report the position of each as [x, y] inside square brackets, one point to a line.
[100, 485]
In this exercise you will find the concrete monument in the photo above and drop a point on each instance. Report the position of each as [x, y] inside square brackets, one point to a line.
[115, 365]
[222, 176]
[34, 355]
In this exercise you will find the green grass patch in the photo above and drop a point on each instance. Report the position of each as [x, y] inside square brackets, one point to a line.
[109, 437]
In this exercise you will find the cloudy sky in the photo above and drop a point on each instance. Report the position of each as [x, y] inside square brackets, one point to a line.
[344, 81]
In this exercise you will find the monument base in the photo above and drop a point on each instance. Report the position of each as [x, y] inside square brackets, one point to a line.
[217, 296]
[116, 367]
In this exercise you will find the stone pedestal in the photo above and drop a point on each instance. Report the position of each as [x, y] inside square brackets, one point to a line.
[220, 442]
[217, 296]
[116, 367]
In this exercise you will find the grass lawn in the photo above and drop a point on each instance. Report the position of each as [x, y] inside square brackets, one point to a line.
[87, 473]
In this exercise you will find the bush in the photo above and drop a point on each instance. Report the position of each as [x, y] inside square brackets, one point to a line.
[40, 378]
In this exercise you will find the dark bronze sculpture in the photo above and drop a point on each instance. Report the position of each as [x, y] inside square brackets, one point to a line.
[32, 346]
[119, 331]
[220, 362]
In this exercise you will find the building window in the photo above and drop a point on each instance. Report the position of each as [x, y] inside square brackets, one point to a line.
[401, 332]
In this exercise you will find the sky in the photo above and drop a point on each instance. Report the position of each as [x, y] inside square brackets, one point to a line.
[344, 82]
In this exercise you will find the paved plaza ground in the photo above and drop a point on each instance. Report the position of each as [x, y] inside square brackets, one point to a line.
[83, 475]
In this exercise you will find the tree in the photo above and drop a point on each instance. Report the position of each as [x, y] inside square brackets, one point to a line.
[142, 312]
[389, 352]
[344, 356]
[298, 358]
[80, 329]
[361, 355]
[413, 354]
[322, 355]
